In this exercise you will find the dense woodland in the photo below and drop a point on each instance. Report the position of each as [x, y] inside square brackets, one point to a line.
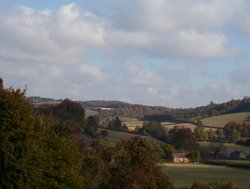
[46, 148]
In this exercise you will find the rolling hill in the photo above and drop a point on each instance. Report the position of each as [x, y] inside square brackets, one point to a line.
[221, 120]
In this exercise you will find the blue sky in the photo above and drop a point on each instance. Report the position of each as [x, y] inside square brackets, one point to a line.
[155, 52]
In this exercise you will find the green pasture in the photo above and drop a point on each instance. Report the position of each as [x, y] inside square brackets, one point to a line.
[222, 120]
[229, 146]
[90, 113]
[131, 123]
[230, 163]
[187, 174]
[116, 136]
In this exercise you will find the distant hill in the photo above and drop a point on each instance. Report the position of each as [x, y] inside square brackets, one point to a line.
[157, 113]
[95, 104]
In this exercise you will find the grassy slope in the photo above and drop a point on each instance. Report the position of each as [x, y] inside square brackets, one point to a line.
[116, 136]
[220, 121]
[186, 174]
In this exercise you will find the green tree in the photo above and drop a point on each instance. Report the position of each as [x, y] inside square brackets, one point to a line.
[52, 161]
[135, 166]
[116, 124]
[233, 135]
[195, 156]
[70, 111]
[91, 126]
[182, 138]
[16, 119]
[200, 134]
[220, 137]
[1, 84]
[167, 150]
[155, 129]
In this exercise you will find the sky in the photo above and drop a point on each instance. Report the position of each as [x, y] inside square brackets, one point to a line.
[153, 52]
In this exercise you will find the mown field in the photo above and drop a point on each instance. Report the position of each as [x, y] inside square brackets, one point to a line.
[229, 146]
[186, 174]
[229, 163]
[131, 123]
[220, 121]
[180, 125]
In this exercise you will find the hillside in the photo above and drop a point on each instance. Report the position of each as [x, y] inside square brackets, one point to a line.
[222, 120]
[117, 136]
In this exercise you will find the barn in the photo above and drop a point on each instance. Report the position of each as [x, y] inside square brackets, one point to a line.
[180, 158]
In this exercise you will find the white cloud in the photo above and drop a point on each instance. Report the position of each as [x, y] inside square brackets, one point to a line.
[241, 76]
[242, 22]
[49, 36]
[93, 73]
[135, 75]
[174, 29]
[78, 53]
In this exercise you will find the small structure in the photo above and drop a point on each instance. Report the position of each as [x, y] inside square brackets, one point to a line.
[180, 158]
[238, 155]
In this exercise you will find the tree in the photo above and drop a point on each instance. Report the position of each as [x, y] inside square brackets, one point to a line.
[52, 161]
[91, 126]
[195, 156]
[200, 134]
[233, 135]
[135, 166]
[70, 111]
[1, 84]
[182, 138]
[167, 150]
[154, 129]
[16, 121]
[116, 124]
[220, 137]
[104, 133]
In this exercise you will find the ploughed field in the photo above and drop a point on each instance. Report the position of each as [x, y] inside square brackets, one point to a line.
[187, 174]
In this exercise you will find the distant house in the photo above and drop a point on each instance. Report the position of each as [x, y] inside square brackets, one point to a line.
[180, 158]
[238, 155]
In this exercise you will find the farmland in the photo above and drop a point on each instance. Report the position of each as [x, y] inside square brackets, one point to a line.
[220, 121]
[116, 136]
[186, 174]
[228, 146]
[180, 125]
[229, 163]
[131, 123]
[89, 112]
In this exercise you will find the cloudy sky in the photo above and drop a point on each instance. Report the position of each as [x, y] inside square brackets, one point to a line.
[156, 52]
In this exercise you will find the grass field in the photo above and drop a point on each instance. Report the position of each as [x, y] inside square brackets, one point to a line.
[90, 113]
[230, 163]
[228, 146]
[116, 136]
[186, 174]
[220, 121]
[131, 123]
[180, 125]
